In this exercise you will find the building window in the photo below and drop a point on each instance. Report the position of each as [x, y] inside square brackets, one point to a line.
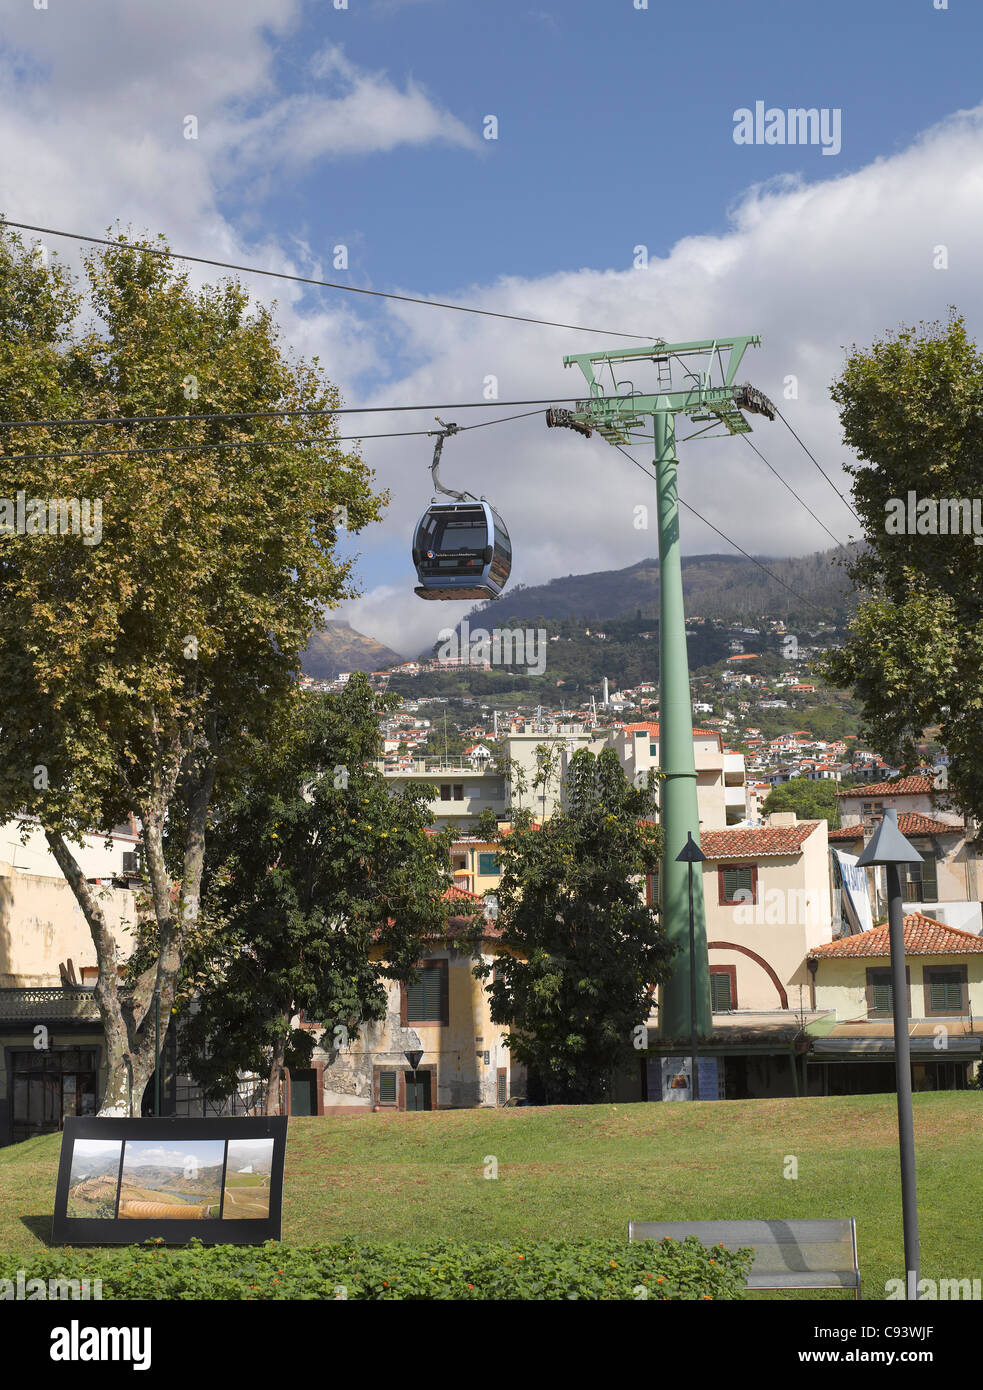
[880, 996]
[445, 791]
[48, 1086]
[946, 990]
[921, 884]
[458, 791]
[734, 879]
[387, 1088]
[488, 864]
[503, 1085]
[723, 988]
[426, 1000]
[652, 889]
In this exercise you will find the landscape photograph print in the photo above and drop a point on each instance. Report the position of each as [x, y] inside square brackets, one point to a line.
[180, 1182]
[248, 1172]
[94, 1179]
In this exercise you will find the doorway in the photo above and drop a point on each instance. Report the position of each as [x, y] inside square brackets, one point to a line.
[418, 1091]
[303, 1092]
[47, 1086]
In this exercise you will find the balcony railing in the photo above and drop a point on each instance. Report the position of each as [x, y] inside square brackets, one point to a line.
[65, 1004]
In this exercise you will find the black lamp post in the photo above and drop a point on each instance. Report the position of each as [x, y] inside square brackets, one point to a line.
[890, 848]
[414, 1059]
[689, 855]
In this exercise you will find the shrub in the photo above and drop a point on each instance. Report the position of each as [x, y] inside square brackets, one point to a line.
[445, 1269]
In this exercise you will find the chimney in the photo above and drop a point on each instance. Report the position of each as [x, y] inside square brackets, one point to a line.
[781, 818]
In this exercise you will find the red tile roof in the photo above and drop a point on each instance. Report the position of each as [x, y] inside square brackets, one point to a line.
[904, 786]
[743, 843]
[923, 936]
[654, 730]
[909, 823]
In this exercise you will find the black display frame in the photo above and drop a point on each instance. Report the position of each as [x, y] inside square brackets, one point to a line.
[222, 1230]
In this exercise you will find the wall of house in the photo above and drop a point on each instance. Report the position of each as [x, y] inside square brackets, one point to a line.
[790, 916]
[28, 852]
[841, 985]
[42, 924]
[456, 1051]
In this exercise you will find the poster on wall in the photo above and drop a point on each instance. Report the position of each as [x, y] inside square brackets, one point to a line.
[856, 898]
[125, 1181]
[671, 1078]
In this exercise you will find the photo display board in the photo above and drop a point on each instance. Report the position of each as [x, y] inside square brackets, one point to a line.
[125, 1181]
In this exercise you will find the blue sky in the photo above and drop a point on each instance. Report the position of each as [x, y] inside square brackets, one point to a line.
[616, 125]
[364, 127]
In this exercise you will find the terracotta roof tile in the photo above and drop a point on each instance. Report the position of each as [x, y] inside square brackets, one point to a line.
[654, 730]
[751, 843]
[923, 936]
[909, 823]
[904, 786]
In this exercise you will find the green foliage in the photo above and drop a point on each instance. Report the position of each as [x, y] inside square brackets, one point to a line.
[912, 408]
[138, 669]
[443, 1269]
[316, 870]
[809, 800]
[581, 949]
[226, 552]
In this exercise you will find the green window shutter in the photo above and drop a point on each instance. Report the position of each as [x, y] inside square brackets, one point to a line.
[946, 992]
[882, 996]
[738, 878]
[720, 1000]
[488, 864]
[387, 1088]
[426, 1001]
[503, 1088]
[414, 1001]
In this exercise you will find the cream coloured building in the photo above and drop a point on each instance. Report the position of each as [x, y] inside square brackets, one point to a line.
[52, 1055]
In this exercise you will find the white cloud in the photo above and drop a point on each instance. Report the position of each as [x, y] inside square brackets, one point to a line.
[362, 113]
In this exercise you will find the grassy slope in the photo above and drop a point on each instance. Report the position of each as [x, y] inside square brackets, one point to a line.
[570, 1172]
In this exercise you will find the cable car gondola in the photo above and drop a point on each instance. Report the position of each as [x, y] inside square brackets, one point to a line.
[461, 549]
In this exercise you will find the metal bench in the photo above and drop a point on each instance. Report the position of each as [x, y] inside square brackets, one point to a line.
[787, 1254]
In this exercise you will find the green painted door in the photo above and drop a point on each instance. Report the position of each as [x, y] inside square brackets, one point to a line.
[418, 1092]
[302, 1092]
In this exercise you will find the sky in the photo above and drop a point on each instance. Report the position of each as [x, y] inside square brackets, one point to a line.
[614, 196]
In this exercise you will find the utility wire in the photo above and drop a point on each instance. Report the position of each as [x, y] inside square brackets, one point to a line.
[822, 470]
[792, 490]
[727, 538]
[309, 280]
[286, 414]
[245, 443]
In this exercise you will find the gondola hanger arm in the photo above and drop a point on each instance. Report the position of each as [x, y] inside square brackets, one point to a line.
[445, 430]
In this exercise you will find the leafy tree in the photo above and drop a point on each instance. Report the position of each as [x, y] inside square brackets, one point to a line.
[809, 800]
[911, 406]
[580, 948]
[135, 671]
[325, 885]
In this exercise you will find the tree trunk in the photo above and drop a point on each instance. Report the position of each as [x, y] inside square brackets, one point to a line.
[127, 1021]
[271, 1101]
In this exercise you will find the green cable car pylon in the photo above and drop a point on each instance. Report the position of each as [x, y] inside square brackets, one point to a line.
[696, 380]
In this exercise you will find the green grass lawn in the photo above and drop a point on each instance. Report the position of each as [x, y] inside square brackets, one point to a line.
[570, 1172]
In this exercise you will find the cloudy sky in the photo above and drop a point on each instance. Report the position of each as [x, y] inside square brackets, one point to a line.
[364, 126]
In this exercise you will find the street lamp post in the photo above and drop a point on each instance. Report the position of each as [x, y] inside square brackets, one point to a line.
[890, 848]
[414, 1058]
[689, 855]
